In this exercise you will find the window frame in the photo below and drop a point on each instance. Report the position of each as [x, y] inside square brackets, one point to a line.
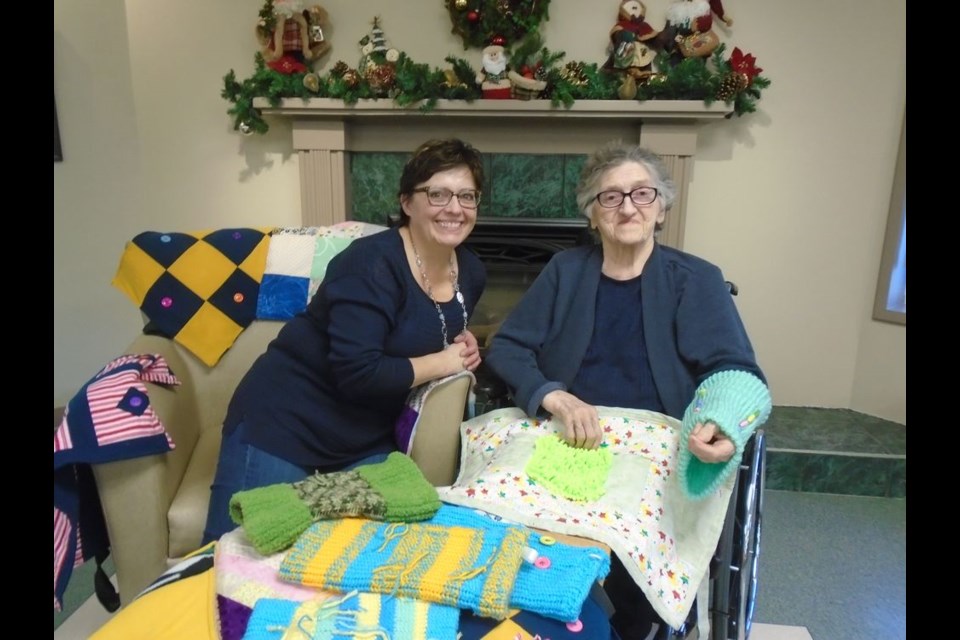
[896, 229]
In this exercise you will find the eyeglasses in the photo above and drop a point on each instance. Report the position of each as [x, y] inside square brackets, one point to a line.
[468, 199]
[641, 196]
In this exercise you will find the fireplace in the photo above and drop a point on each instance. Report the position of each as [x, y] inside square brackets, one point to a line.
[326, 131]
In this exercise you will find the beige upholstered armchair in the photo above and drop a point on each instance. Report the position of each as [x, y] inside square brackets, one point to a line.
[155, 506]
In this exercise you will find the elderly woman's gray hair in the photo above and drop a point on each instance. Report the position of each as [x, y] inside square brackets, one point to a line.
[612, 155]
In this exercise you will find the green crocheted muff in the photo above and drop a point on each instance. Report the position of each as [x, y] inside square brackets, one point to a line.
[577, 474]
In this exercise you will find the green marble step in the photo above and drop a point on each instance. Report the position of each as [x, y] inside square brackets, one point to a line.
[836, 451]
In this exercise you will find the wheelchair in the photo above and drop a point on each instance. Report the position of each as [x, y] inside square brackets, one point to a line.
[733, 568]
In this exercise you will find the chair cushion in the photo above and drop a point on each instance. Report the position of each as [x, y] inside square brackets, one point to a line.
[188, 511]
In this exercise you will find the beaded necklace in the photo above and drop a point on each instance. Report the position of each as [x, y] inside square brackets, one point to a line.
[456, 291]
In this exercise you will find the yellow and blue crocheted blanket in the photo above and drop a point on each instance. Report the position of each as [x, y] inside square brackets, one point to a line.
[203, 288]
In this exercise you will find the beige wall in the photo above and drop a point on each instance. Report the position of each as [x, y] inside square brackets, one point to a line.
[791, 201]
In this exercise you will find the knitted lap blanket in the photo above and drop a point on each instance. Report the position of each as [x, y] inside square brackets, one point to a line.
[664, 538]
[297, 261]
[458, 566]
[203, 288]
[110, 418]
[200, 288]
[459, 557]
[354, 615]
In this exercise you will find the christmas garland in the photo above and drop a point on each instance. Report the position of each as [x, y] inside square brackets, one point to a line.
[501, 22]
[735, 80]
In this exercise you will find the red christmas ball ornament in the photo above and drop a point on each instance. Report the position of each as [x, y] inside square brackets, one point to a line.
[499, 41]
[473, 16]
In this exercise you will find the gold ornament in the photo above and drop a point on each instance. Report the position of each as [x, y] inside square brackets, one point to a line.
[312, 82]
[628, 88]
[460, 4]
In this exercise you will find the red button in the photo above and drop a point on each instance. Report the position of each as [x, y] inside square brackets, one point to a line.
[543, 562]
[575, 627]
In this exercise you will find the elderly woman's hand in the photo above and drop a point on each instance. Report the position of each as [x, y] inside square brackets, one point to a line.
[580, 420]
[709, 444]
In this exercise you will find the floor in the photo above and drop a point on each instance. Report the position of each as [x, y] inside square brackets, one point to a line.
[833, 546]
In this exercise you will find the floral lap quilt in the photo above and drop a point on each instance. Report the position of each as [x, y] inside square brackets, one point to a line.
[664, 539]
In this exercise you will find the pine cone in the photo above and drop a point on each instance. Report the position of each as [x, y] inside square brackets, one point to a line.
[339, 69]
[351, 78]
[732, 84]
[573, 73]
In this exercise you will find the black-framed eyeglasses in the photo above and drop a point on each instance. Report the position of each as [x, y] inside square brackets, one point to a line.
[468, 198]
[641, 196]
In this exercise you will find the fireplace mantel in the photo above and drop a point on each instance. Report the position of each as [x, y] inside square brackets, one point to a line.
[326, 130]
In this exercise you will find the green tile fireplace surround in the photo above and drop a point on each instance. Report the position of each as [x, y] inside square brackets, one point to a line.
[538, 186]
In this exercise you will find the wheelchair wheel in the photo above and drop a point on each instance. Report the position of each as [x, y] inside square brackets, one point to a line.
[746, 556]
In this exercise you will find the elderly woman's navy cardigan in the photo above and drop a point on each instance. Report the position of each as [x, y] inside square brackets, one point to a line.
[692, 327]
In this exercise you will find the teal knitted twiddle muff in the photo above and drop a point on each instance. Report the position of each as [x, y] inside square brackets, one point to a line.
[738, 403]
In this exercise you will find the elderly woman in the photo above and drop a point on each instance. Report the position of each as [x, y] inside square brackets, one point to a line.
[631, 323]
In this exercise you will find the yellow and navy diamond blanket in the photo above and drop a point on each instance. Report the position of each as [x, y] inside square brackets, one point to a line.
[203, 288]
[199, 288]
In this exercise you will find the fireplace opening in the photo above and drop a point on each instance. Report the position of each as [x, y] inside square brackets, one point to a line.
[514, 251]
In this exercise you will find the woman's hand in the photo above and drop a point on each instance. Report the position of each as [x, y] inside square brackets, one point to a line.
[470, 355]
[580, 420]
[709, 444]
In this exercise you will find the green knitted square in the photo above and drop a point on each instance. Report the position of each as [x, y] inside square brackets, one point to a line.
[577, 474]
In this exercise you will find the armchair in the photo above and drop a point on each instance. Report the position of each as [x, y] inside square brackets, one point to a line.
[155, 506]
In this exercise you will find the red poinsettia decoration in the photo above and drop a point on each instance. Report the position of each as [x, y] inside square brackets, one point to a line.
[288, 65]
[744, 64]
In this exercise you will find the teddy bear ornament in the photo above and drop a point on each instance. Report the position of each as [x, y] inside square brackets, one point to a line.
[290, 34]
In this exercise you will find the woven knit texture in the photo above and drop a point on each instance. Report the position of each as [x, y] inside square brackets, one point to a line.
[536, 588]
[394, 490]
[458, 566]
[578, 474]
[355, 615]
[736, 401]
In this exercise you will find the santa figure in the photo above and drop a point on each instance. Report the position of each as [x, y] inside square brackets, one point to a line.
[632, 40]
[493, 80]
[689, 29]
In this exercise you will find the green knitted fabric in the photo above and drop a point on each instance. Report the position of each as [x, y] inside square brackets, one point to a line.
[273, 517]
[407, 494]
[737, 402]
[577, 474]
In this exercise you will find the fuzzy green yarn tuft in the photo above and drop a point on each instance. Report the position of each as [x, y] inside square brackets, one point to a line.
[577, 474]
[738, 403]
